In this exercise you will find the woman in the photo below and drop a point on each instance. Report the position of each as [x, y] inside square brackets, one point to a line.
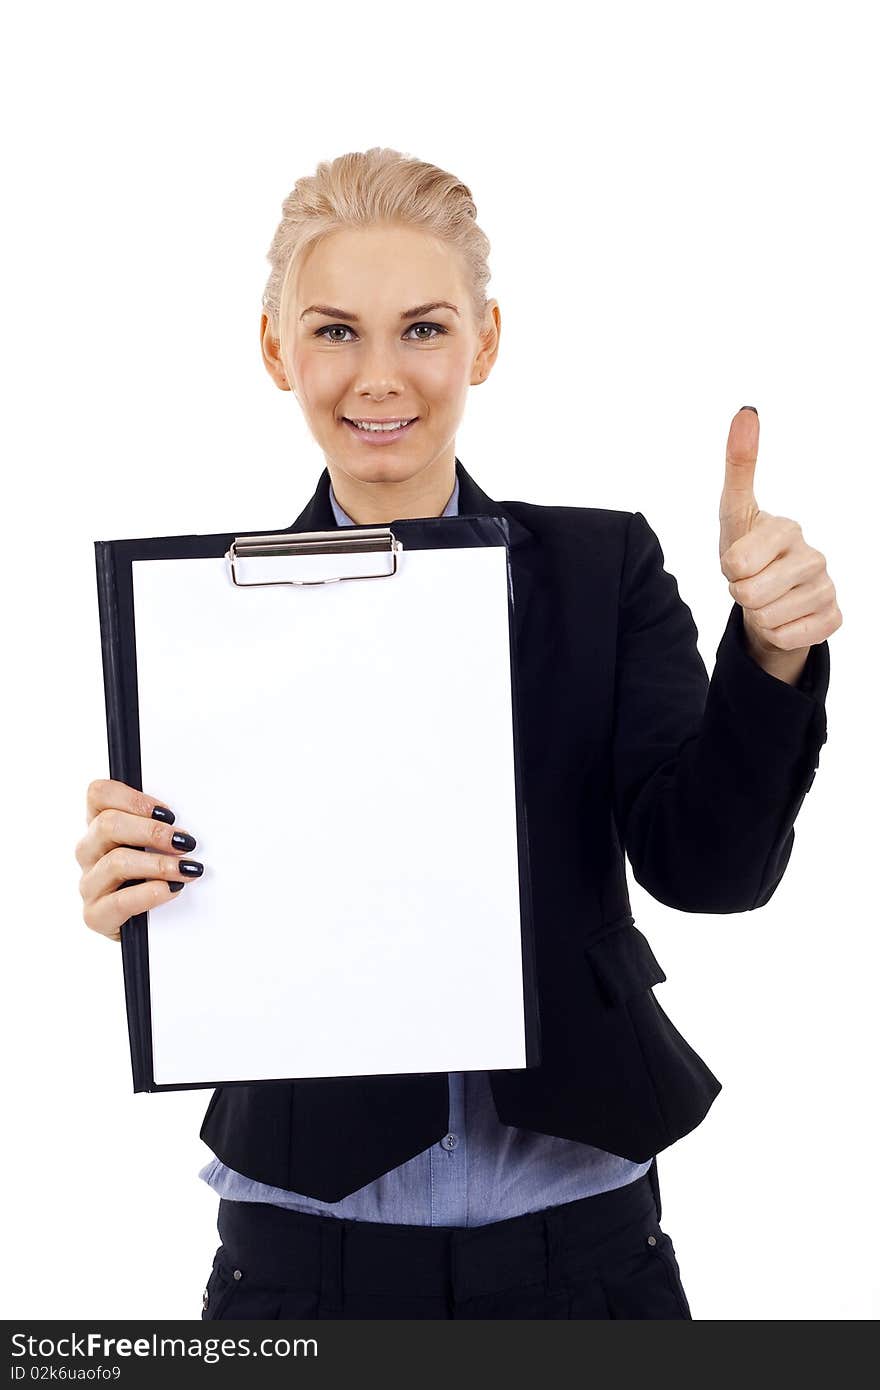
[531, 1193]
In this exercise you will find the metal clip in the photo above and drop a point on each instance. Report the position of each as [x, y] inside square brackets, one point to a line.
[366, 539]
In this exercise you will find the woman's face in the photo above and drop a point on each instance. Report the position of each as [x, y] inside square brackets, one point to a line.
[366, 355]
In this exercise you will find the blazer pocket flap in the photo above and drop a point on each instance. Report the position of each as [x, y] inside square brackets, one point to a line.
[623, 962]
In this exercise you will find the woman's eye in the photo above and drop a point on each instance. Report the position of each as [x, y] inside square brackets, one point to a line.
[437, 326]
[421, 338]
[331, 328]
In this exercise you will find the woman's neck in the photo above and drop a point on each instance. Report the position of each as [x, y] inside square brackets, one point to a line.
[377, 503]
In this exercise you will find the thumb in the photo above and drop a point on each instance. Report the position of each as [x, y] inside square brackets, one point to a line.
[738, 507]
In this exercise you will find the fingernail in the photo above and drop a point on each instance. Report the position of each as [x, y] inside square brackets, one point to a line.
[162, 813]
[750, 407]
[176, 887]
[191, 867]
[180, 840]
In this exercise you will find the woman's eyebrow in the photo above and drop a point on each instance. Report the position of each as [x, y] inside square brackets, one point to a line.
[329, 312]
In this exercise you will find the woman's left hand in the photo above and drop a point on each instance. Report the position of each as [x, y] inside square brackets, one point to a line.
[782, 584]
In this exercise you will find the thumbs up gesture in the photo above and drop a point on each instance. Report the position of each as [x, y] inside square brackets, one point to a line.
[788, 600]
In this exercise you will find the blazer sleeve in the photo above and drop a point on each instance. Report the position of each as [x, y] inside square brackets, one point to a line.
[708, 776]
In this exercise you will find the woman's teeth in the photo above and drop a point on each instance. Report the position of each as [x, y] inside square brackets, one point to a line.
[391, 425]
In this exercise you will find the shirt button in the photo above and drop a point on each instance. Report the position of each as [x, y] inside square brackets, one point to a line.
[236, 1274]
[449, 1141]
[652, 1240]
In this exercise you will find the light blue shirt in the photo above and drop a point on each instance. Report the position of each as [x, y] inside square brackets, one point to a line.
[480, 1171]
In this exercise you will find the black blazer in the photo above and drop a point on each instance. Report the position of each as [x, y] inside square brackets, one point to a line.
[626, 745]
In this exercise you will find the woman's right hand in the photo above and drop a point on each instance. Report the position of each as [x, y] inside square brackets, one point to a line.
[120, 817]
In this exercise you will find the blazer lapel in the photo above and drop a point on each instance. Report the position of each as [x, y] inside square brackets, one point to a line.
[473, 501]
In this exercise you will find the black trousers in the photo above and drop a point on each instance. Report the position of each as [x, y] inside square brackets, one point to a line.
[599, 1257]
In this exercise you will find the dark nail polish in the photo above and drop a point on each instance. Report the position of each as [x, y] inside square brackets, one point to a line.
[191, 867]
[162, 813]
[750, 407]
[180, 840]
[176, 887]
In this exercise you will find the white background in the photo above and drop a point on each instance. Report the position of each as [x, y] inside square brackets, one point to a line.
[681, 204]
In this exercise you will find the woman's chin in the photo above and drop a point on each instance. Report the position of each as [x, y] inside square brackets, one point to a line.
[378, 469]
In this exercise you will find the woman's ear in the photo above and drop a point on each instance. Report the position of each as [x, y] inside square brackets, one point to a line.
[271, 352]
[490, 334]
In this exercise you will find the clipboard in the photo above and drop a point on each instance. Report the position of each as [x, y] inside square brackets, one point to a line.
[334, 716]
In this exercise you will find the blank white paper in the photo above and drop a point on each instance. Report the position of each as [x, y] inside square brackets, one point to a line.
[343, 754]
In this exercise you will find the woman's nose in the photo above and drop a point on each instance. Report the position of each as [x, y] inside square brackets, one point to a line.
[380, 371]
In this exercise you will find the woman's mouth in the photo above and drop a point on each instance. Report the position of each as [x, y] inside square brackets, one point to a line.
[380, 432]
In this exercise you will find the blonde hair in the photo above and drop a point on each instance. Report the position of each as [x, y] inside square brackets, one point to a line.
[372, 186]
